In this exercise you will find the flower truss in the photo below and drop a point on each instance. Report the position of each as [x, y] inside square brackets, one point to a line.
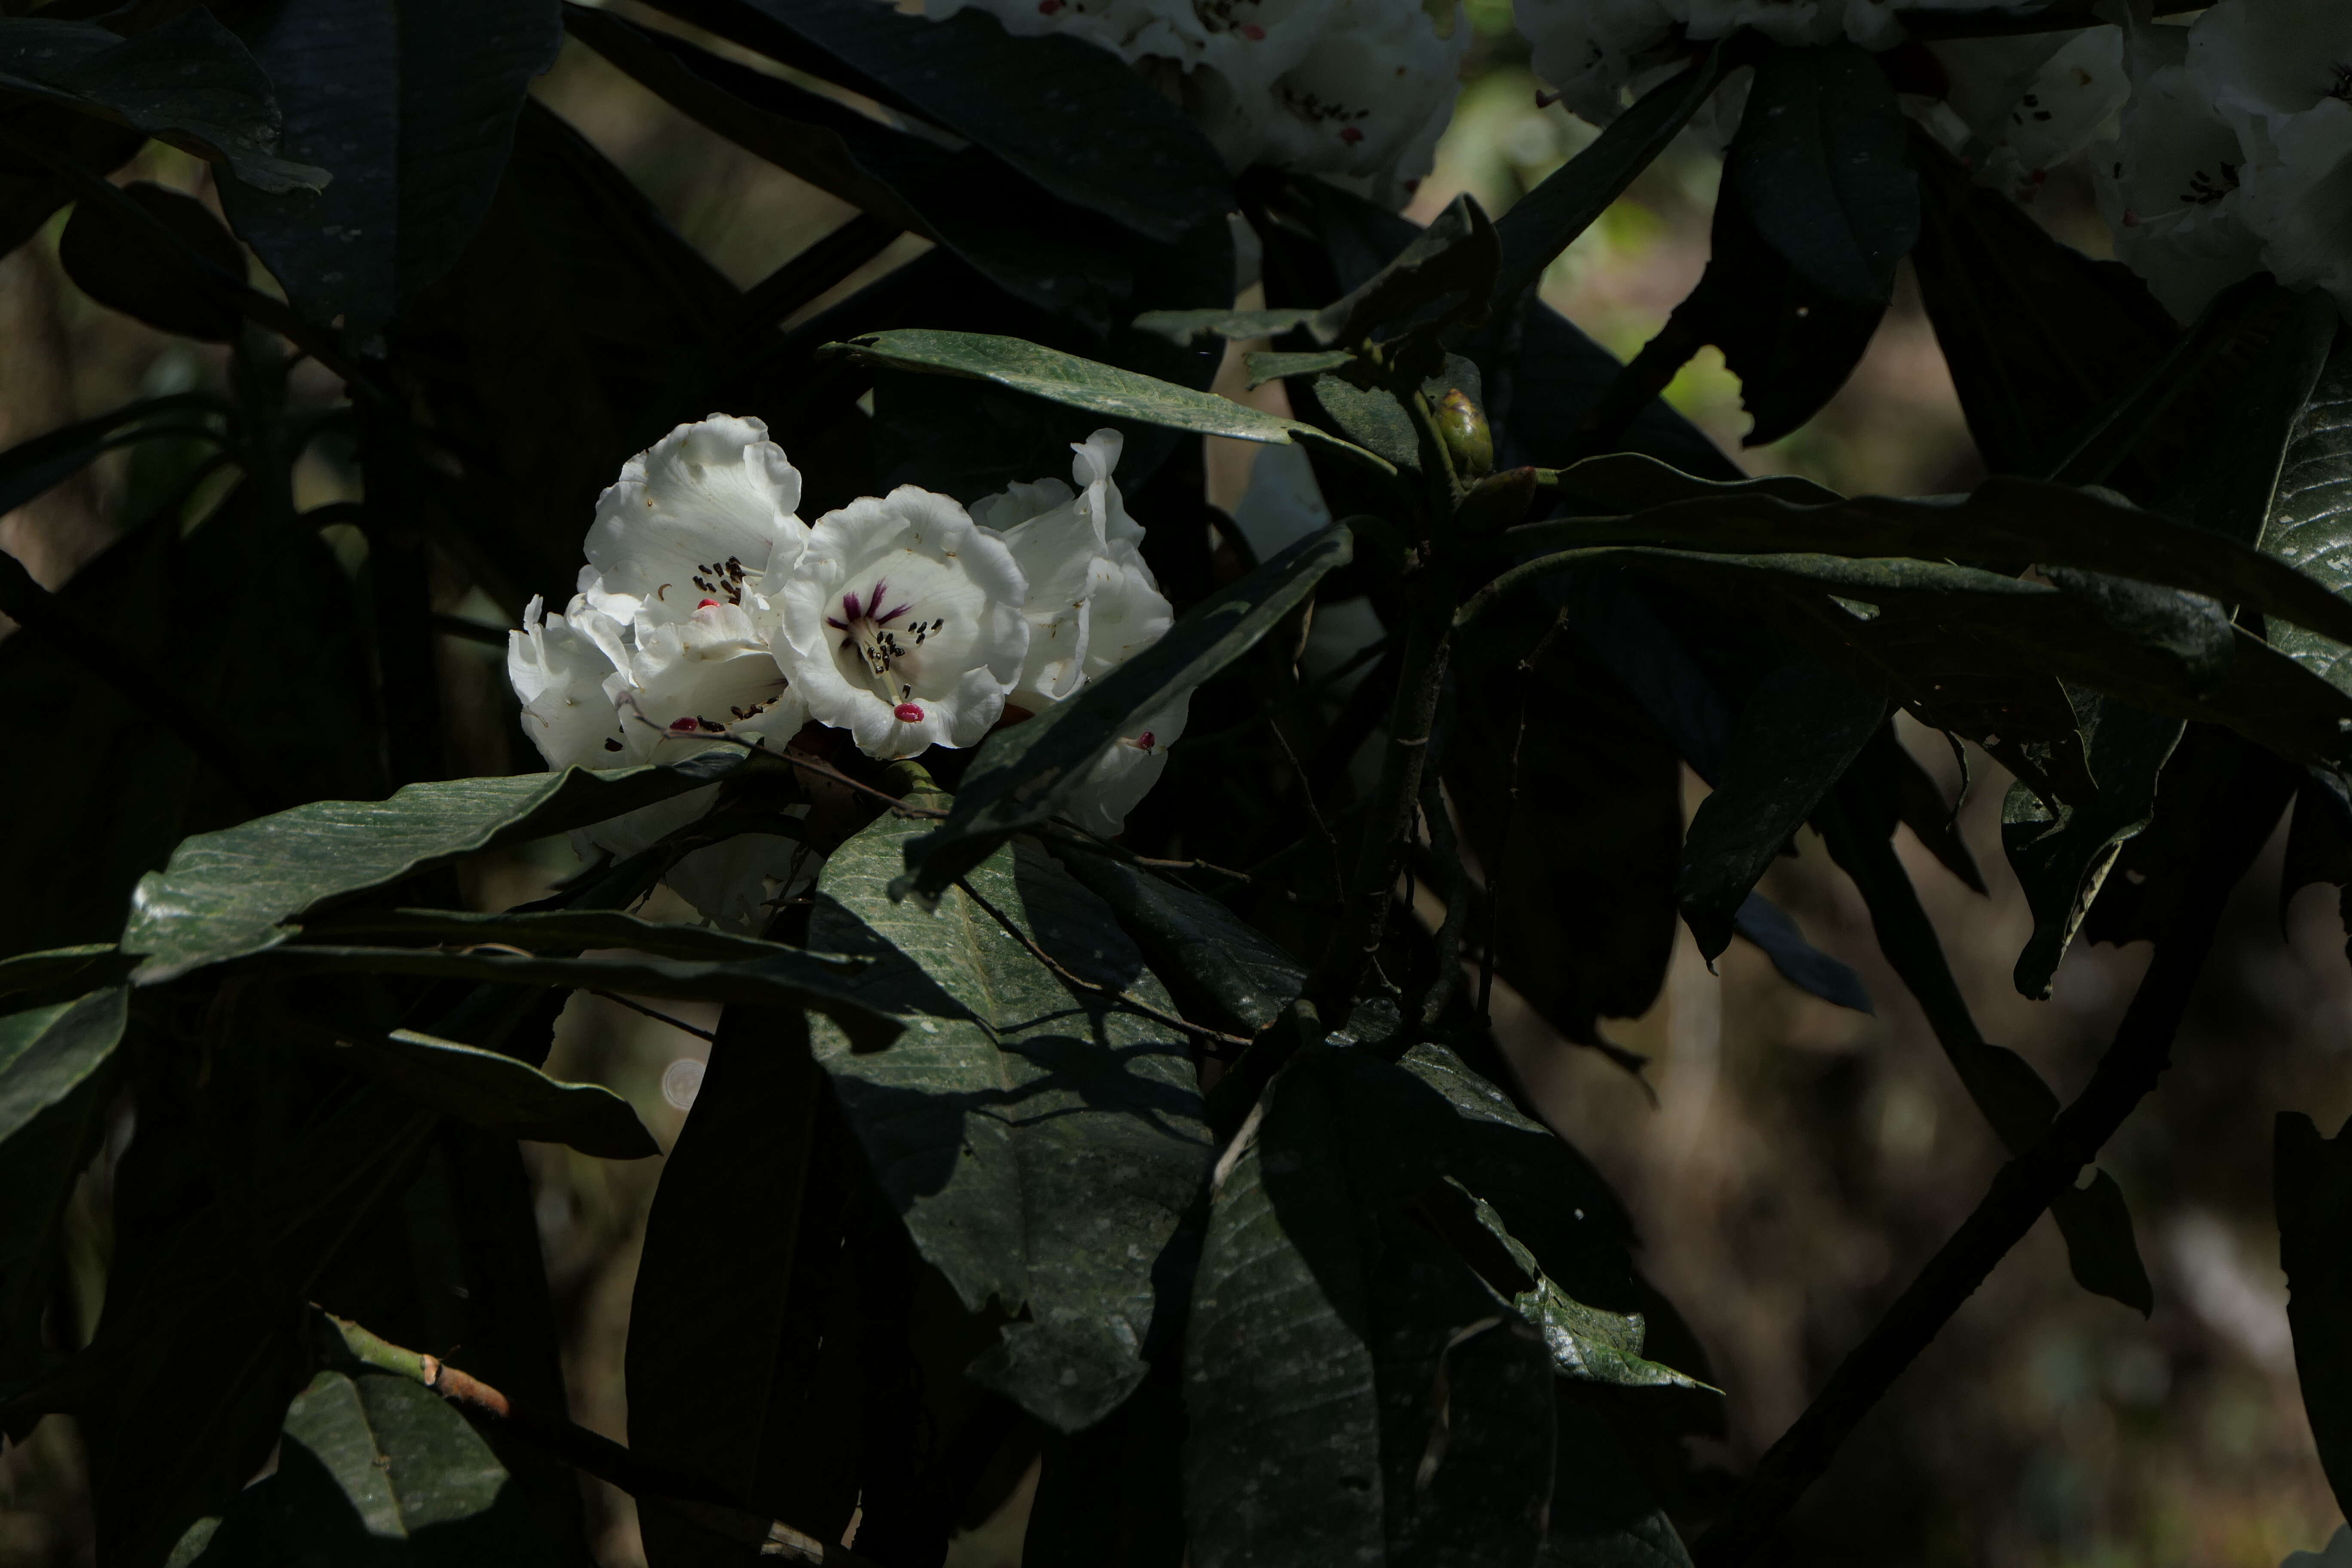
[2236, 156]
[709, 613]
[1356, 92]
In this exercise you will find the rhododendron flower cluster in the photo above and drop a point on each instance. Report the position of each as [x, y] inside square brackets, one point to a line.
[1356, 92]
[709, 610]
[2235, 154]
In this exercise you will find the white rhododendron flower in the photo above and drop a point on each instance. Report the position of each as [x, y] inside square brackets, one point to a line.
[1356, 92]
[2014, 107]
[667, 646]
[903, 623]
[1093, 605]
[2235, 154]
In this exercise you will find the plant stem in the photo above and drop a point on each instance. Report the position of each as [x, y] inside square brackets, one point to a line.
[688, 1496]
[1496, 872]
[2019, 1192]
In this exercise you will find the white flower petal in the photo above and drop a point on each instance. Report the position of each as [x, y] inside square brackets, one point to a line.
[1123, 775]
[903, 625]
[699, 515]
[559, 672]
[737, 883]
[1129, 612]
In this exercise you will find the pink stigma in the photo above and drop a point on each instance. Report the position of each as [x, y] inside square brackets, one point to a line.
[1143, 741]
[1350, 135]
[907, 712]
[687, 723]
[706, 604]
[1252, 31]
[1047, 7]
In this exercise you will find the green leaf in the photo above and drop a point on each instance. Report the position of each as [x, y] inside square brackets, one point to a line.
[118, 264]
[375, 1468]
[1083, 384]
[2314, 1188]
[1602, 1514]
[2233, 485]
[1282, 1448]
[40, 971]
[187, 81]
[31, 191]
[2004, 521]
[1819, 165]
[1799, 732]
[567, 930]
[1547, 219]
[1039, 1139]
[2003, 293]
[786, 978]
[1456, 254]
[1045, 105]
[1187, 328]
[1036, 249]
[494, 1091]
[1372, 417]
[1023, 775]
[413, 109]
[1186, 934]
[54, 1065]
[2100, 1249]
[225, 895]
[1264, 367]
[2310, 512]
[2061, 854]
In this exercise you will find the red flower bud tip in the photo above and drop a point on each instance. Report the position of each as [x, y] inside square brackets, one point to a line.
[907, 712]
[1252, 31]
[706, 604]
[1351, 134]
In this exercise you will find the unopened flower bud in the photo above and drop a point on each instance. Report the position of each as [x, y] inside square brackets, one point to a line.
[1471, 444]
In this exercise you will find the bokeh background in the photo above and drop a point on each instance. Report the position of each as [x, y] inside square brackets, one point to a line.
[1797, 1163]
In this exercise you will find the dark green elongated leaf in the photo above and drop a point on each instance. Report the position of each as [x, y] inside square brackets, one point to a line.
[1266, 367]
[54, 1065]
[1588, 1343]
[1797, 735]
[1547, 219]
[225, 894]
[1158, 176]
[40, 971]
[787, 978]
[375, 1469]
[2100, 1249]
[1247, 976]
[1023, 774]
[743, 1329]
[1039, 1140]
[188, 81]
[1456, 254]
[1034, 248]
[1282, 1448]
[1372, 419]
[1800, 963]
[2312, 1177]
[2063, 856]
[1820, 167]
[413, 108]
[569, 929]
[114, 262]
[2003, 293]
[492, 1090]
[1083, 384]
[2004, 521]
[2234, 485]
[2311, 511]
[1602, 1513]
[1186, 328]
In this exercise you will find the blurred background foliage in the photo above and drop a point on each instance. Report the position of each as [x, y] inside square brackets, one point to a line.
[1798, 1162]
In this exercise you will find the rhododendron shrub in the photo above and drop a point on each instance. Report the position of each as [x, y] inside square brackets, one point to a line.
[1105, 902]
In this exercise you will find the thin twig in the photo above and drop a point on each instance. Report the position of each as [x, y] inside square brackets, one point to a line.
[1193, 866]
[647, 1480]
[2020, 1191]
[1511, 809]
[660, 1018]
[1097, 986]
[1314, 811]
